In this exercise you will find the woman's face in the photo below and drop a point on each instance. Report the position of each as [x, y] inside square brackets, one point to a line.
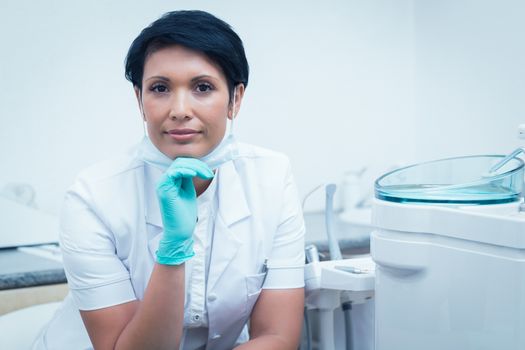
[185, 101]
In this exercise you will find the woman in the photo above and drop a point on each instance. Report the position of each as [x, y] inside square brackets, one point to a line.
[192, 234]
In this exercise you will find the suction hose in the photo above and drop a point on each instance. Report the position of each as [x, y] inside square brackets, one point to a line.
[347, 308]
[333, 244]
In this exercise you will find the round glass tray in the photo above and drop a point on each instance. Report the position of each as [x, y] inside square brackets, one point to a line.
[460, 180]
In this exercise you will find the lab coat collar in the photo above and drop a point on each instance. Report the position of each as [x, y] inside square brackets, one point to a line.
[233, 206]
[151, 206]
[230, 228]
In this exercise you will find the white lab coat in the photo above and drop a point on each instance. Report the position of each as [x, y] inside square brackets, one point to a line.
[111, 226]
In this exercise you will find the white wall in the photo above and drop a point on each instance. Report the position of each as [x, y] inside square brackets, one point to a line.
[470, 76]
[331, 85]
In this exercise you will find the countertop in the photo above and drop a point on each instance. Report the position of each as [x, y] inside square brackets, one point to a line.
[20, 268]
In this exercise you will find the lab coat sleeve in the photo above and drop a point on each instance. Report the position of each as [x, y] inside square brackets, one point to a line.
[96, 276]
[286, 263]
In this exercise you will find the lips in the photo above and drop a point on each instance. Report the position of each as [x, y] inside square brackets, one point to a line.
[182, 132]
[183, 135]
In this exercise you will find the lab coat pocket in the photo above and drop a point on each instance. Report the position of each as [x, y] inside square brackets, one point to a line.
[253, 290]
[254, 285]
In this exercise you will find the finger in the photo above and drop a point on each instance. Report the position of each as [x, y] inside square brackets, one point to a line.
[179, 173]
[188, 187]
[167, 184]
[172, 179]
[202, 170]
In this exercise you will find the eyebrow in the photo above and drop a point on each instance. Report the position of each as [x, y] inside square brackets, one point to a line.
[199, 77]
[160, 77]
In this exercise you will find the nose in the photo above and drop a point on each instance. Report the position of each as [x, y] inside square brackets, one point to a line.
[180, 106]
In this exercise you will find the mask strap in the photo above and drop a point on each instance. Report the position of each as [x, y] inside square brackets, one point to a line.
[233, 110]
[143, 115]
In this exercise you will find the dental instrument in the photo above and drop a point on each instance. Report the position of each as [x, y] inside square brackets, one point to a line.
[311, 253]
[513, 154]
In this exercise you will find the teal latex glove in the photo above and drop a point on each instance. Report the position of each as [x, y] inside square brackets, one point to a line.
[178, 207]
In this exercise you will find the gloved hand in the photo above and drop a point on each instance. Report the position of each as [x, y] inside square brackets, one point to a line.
[178, 207]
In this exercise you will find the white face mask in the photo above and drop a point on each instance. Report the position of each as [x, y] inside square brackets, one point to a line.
[225, 151]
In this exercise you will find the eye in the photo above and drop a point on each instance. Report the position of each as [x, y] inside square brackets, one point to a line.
[203, 87]
[159, 88]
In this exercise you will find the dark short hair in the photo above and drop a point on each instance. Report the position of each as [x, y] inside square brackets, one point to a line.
[196, 30]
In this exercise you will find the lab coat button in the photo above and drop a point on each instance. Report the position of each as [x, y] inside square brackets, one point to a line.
[196, 317]
[216, 336]
[212, 297]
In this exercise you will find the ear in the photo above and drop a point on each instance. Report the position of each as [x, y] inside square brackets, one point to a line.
[138, 95]
[239, 94]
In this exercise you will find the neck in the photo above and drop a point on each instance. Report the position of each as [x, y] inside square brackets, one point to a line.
[201, 185]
